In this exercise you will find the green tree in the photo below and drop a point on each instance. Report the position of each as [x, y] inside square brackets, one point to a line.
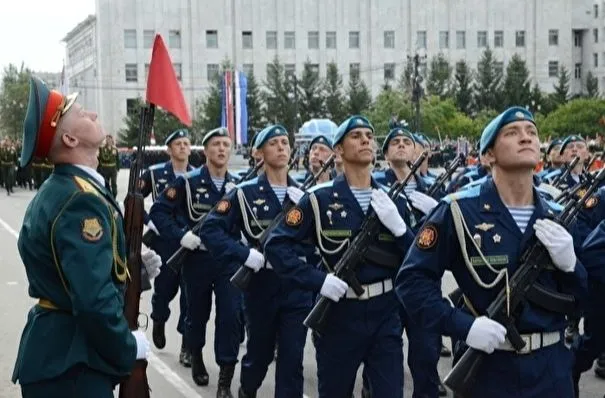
[592, 85]
[14, 98]
[254, 101]
[334, 96]
[279, 106]
[516, 89]
[386, 104]
[440, 75]
[488, 83]
[406, 80]
[209, 108]
[462, 90]
[311, 98]
[561, 94]
[359, 96]
[580, 116]
[163, 125]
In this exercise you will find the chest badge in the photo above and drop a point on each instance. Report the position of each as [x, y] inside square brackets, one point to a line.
[343, 214]
[484, 227]
[259, 202]
[497, 238]
[223, 206]
[201, 190]
[335, 206]
[171, 193]
[486, 206]
[92, 230]
[294, 217]
[266, 208]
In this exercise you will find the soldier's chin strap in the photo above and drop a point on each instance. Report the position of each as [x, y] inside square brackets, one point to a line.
[462, 231]
[318, 230]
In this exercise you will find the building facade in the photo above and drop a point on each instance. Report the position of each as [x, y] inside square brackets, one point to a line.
[371, 37]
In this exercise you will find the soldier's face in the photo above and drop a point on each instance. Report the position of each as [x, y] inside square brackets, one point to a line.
[574, 149]
[319, 153]
[218, 151]
[357, 147]
[276, 152]
[83, 125]
[517, 146]
[180, 149]
[400, 150]
[555, 155]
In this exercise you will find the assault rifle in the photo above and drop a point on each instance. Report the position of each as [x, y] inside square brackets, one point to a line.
[347, 265]
[563, 175]
[445, 176]
[506, 305]
[243, 275]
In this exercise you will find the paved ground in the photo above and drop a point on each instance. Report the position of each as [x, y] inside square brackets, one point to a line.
[167, 378]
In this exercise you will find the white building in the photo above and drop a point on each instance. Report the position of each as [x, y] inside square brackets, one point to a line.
[372, 37]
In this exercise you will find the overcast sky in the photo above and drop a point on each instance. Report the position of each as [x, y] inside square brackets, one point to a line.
[31, 31]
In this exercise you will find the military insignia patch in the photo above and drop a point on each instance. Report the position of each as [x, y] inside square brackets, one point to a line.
[581, 193]
[294, 217]
[591, 202]
[223, 206]
[171, 193]
[92, 230]
[520, 115]
[484, 226]
[427, 237]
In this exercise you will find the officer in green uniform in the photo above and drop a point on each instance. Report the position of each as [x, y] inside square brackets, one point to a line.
[8, 162]
[76, 342]
[109, 164]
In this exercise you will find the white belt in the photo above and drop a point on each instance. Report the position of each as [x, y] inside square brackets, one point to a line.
[371, 290]
[533, 342]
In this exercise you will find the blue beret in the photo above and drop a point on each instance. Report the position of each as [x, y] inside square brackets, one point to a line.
[421, 139]
[490, 132]
[553, 144]
[267, 133]
[396, 132]
[569, 140]
[321, 139]
[219, 132]
[354, 122]
[180, 133]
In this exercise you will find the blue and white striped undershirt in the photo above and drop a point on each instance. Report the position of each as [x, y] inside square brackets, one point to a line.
[410, 187]
[218, 182]
[280, 192]
[521, 215]
[363, 196]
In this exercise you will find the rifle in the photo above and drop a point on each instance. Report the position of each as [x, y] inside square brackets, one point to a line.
[176, 260]
[504, 307]
[136, 385]
[568, 168]
[347, 265]
[567, 194]
[243, 275]
[445, 176]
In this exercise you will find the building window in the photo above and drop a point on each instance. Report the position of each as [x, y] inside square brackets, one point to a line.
[247, 40]
[354, 69]
[271, 40]
[595, 60]
[499, 38]
[553, 37]
[212, 71]
[596, 10]
[578, 71]
[178, 71]
[211, 39]
[481, 39]
[460, 39]
[131, 105]
[289, 40]
[331, 40]
[289, 69]
[421, 39]
[174, 39]
[577, 39]
[313, 40]
[553, 68]
[444, 39]
[131, 72]
[148, 38]
[248, 69]
[389, 39]
[146, 71]
[499, 67]
[130, 38]
[595, 35]
[389, 71]
[520, 38]
[353, 39]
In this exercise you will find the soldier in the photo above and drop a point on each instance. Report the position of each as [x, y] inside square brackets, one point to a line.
[552, 158]
[425, 146]
[320, 149]
[109, 164]
[479, 235]
[365, 329]
[175, 213]
[76, 341]
[572, 146]
[9, 161]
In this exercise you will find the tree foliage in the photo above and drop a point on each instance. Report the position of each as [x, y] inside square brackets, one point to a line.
[517, 85]
[359, 96]
[561, 94]
[488, 83]
[334, 95]
[440, 75]
[311, 96]
[580, 116]
[14, 100]
[279, 96]
[592, 85]
[163, 125]
[462, 90]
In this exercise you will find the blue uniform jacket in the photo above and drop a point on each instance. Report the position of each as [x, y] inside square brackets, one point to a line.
[568, 183]
[437, 248]
[465, 178]
[340, 218]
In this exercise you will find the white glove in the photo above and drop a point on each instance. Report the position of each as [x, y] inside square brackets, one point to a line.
[387, 212]
[142, 344]
[191, 241]
[152, 261]
[229, 186]
[333, 288]
[151, 226]
[422, 202]
[558, 242]
[255, 260]
[485, 334]
[294, 194]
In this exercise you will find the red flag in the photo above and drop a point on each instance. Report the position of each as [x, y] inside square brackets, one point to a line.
[162, 85]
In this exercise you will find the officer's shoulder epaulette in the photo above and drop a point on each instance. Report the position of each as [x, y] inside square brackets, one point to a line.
[157, 166]
[248, 183]
[192, 173]
[327, 184]
[469, 193]
[85, 186]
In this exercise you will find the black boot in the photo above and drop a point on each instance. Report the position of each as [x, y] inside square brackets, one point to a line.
[198, 369]
[224, 381]
[185, 355]
[242, 394]
[159, 337]
[441, 389]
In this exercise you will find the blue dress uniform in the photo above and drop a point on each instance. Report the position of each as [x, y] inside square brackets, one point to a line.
[570, 181]
[273, 306]
[364, 329]
[463, 179]
[544, 368]
[550, 168]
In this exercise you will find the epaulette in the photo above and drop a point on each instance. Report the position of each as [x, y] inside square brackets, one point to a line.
[321, 186]
[86, 186]
[472, 192]
[247, 183]
[156, 166]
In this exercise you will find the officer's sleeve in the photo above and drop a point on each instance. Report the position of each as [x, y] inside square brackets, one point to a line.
[83, 240]
[215, 232]
[282, 244]
[418, 282]
[164, 210]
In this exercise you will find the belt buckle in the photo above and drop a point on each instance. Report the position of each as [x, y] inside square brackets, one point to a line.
[527, 349]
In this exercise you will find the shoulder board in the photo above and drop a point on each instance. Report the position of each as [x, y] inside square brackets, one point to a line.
[471, 192]
[327, 184]
[552, 174]
[253, 181]
[157, 166]
[379, 174]
[85, 186]
[192, 173]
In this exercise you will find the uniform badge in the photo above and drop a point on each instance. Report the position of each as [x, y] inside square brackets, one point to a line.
[484, 227]
[581, 193]
[259, 202]
[294, 217]
[343, 214]
[520, 115]
[497, 238]
[171, 193]
[335, 206]
[427, 237]
[591, 202]
[486, 206]
[201, 190]
[266, 208]
[223, 206]
[92, 230]
[162, 181]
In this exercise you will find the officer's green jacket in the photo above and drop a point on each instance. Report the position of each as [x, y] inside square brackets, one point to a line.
[73, 247]
[109, 158]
